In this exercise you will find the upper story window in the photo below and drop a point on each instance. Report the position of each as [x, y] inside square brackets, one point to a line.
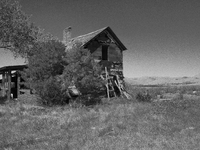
[104, 52]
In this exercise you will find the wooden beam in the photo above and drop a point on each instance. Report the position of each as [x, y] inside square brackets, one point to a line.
[107, 87]
[3, 84]
[18, 84]
[9, 85]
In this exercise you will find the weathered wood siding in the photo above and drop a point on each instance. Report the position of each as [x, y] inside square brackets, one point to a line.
[114, 55]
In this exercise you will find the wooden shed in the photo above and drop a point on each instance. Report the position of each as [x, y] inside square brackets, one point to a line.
[104, 45]
[10, 82]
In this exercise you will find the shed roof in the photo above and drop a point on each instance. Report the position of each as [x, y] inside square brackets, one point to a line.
[85, 39]
[12, 68]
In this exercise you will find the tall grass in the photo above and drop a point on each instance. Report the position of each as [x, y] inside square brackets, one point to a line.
[176, 91]
[118, 124]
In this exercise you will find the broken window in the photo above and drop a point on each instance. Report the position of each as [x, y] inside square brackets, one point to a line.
[104, 52]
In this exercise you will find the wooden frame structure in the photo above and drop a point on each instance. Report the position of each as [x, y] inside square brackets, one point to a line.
[104, 46]
[106, 49]
[6, 82]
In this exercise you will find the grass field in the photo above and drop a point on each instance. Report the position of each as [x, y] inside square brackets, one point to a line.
[118, 125]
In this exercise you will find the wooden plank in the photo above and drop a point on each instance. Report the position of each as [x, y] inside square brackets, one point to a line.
[107, 87]
[18, 84]
[9, 84]
[3, 84]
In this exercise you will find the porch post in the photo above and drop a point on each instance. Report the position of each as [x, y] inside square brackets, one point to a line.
[9, 84]
[3, 84]
[18, 84]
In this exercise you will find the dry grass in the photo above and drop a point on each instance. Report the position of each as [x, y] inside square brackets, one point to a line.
[117, 125]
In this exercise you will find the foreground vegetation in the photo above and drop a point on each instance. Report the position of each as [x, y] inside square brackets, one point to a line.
[118, 124]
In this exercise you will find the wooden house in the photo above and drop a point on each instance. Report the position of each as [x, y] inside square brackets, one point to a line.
[104, 45]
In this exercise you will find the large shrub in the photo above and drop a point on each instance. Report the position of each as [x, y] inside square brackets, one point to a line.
[51, 93]
[45, 64]
[51, 71]
[84, 71]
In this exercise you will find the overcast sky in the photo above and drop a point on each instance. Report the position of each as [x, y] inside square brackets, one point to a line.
[162, 36]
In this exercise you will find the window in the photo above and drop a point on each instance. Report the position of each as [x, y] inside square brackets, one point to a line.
[104, 52]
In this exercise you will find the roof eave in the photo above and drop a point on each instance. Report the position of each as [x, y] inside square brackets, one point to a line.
[119, 43]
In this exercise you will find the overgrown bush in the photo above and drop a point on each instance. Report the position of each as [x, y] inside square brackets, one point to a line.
[51, 71]
[45, 64]
[143, 97]
[84, 72]
[51, 93]
[3, 99]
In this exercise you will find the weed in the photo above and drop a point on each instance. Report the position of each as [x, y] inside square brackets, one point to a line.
[143, 97]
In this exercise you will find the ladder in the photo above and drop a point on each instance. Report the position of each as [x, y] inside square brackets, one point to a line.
[109, 84]
[110, 88]
[121, 88]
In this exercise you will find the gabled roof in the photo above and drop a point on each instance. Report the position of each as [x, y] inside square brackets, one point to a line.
[85, 39]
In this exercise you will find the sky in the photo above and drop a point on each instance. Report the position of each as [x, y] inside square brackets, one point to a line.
[162, 36]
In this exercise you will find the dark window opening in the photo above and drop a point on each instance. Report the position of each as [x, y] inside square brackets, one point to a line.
[104, 52]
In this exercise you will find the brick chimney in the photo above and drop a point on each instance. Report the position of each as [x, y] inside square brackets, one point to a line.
[67, 35]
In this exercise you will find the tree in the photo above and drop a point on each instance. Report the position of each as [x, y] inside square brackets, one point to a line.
[85, 73]
[45, 59]
[17, 33]
[45, 65]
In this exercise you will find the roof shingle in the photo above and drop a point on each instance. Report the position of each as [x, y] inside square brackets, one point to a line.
[84, 39]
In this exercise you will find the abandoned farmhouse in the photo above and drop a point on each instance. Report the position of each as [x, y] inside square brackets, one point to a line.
[103, 44]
